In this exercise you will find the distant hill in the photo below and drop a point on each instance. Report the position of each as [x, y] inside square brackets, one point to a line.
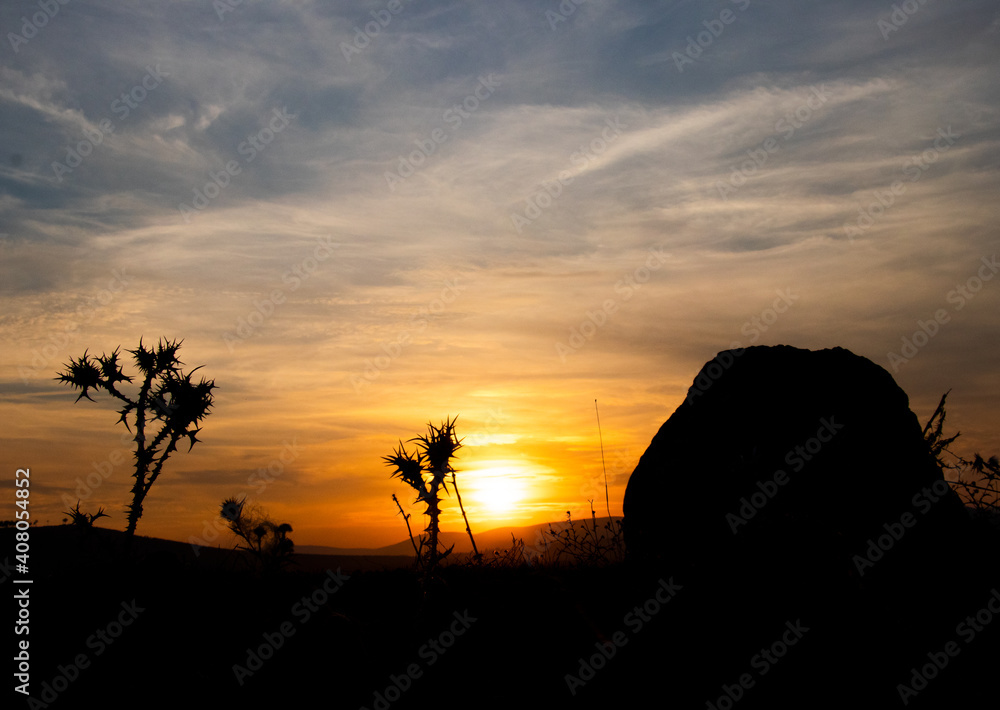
[487, 540]
[61, 547]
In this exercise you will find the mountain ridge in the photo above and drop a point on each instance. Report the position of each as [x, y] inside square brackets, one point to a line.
[487, 540]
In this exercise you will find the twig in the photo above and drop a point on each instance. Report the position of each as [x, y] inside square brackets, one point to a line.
[406, 519]
[607, 500]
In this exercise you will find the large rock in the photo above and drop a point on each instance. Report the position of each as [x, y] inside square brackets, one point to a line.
[779, 446]
[795, 486]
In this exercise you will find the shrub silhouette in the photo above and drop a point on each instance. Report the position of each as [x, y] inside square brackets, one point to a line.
[166, 395]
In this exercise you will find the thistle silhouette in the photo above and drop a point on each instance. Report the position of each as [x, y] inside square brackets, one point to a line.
[981, 492]
[266, 540]
[84, 520]
[166, 395]
[426, 471]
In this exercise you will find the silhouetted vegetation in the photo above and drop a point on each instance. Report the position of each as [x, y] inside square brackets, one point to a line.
[978, 481]
[512, 556]
[426, 471]
[166, 395]
[591, 544]
[265, 540]
[84, 520]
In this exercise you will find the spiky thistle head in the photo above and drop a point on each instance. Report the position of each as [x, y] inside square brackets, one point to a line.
[232, 509]
[439, 445]
[99, 373]
[83, 374]
[181, 403]
[409, 467]
[158, 360]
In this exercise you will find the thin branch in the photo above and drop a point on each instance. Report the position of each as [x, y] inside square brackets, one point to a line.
[406, 519]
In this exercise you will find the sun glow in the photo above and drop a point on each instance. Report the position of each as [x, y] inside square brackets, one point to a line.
[498, 489]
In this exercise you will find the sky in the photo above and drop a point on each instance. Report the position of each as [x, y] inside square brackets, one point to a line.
[361, 217]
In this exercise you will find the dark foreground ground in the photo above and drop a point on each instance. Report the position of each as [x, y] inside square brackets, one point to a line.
[164, 629]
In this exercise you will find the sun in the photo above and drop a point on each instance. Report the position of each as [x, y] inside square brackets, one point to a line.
[498, 489]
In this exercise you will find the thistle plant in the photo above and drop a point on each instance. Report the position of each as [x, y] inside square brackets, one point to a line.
[981, 493]
[426, 471]
[166, 398]
[267, 541]
[84, 520]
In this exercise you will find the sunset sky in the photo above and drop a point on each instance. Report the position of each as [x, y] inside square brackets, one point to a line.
[364, 216]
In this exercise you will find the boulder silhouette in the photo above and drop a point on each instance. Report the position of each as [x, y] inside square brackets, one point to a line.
[779, 446]
[796, 486]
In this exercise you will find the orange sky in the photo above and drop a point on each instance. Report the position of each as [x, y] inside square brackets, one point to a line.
[529, 454]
